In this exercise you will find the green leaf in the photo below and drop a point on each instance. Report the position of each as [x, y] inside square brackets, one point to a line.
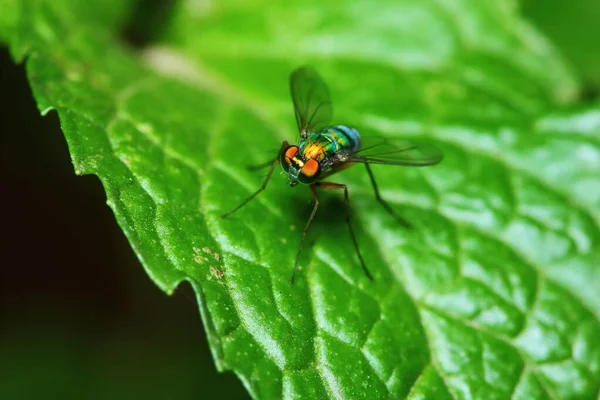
[493, 294]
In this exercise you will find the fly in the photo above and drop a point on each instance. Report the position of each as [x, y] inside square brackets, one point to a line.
[325, 149]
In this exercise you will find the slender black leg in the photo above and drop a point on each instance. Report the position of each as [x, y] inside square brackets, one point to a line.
[384, 203]
[256, 167]
[329, 185]
[312, 215]
[264, 184]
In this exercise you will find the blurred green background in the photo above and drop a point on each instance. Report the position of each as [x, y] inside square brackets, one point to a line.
[79, 316]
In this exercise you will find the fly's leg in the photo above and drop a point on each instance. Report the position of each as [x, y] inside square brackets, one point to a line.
[257, 167]
[330, 185]
[264, 184]
[312, 215]
[384, 203]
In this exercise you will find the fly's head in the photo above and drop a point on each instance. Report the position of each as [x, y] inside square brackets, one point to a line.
[299, 168]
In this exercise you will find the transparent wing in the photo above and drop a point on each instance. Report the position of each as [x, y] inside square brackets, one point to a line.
[378, 150]
[312, 104]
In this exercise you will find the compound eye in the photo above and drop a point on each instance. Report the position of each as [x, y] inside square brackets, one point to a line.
[310, 171]
[286, 157]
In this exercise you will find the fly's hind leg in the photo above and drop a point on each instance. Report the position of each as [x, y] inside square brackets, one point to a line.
[330, 185]
[384, 203]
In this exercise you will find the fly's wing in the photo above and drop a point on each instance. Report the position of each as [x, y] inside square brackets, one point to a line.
[377, 150]
[312, 104]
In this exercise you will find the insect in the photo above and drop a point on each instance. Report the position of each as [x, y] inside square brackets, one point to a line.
[325, 149]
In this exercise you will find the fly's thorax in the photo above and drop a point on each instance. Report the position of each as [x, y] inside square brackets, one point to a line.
[314, 146]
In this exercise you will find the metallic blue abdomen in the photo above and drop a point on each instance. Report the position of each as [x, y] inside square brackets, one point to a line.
[347, 138]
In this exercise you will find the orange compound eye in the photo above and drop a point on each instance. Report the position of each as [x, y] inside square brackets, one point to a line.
[291, 151]
[286, 157]
[310, 171]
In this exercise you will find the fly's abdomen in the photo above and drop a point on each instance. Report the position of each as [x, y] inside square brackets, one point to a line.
[346, 139]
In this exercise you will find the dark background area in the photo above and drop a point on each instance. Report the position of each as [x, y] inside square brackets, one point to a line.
[79, 317]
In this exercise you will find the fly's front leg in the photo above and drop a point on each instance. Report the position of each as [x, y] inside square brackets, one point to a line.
[312, 215]
[264, 184]
[384, 203]
[256, 167]
[330, 185]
